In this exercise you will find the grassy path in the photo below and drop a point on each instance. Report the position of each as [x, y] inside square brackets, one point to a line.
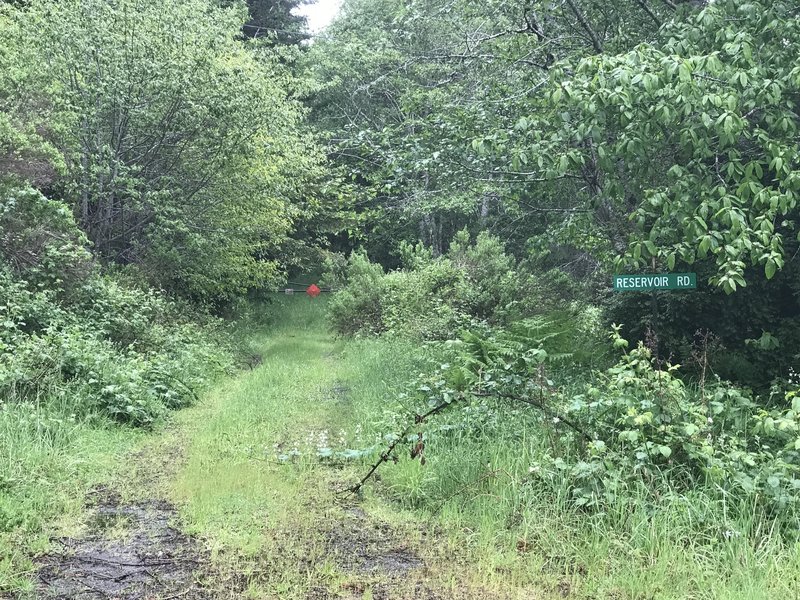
[253, 485]
[240, 496]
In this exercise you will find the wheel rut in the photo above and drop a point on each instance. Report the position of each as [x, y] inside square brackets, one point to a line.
[129, 551]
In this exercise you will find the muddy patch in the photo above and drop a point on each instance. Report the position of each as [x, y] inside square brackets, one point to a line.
[132, 551]
[364, 546]
[339, 393]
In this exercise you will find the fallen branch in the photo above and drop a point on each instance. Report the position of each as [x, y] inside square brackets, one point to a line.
[387, 455]
[557, 418]
[140, 565]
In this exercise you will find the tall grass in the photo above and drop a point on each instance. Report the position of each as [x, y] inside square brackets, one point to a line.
[483, 483]
[48, 460]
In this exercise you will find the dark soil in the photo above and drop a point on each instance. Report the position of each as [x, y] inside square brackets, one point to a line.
[365, 546]
[132, 551]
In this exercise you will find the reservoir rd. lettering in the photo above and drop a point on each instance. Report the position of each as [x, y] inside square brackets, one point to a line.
[646, 283]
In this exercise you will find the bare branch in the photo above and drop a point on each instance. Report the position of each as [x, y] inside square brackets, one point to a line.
[586, 27]
[645, 8]
[418, 419]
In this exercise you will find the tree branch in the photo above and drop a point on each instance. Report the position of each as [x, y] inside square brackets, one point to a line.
[418, 419]
[645, 8]
[586, 27]
[550, 413]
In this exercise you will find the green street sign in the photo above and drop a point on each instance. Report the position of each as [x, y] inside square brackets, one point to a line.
[647, 283]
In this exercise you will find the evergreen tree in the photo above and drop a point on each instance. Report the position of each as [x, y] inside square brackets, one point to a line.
[274, 20]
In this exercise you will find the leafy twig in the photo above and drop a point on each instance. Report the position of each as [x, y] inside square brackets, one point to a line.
[387, 455]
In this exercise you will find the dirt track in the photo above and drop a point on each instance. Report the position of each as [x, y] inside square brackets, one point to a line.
[131, 551]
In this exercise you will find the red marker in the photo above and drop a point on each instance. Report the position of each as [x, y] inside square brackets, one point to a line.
[313, 290]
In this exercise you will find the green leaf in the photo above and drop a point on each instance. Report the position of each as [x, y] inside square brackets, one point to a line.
[770, 268]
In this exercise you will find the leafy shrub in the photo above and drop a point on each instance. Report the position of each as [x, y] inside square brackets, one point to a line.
[357, 307]
[40, 239]
[96, 345]
[431, 297]
[423, 303]
[647, 426]
[489, 277]
[69, 359]
[631, 434]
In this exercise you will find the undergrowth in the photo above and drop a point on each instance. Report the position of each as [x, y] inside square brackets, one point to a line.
[668, 513]
[87, 358]
[562, 452]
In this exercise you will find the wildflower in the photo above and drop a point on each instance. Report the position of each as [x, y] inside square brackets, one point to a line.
[731, 533]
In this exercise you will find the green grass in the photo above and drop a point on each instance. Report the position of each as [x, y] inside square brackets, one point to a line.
[492, 524]
[477, 484]
[254, 486]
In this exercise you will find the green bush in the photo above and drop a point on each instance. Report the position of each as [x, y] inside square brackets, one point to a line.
[649, 428]
[431, 298]
[40, 239]
[95, 345]
[357, 307]
[619, 435]
[422, 303]
[490, 279]
[64, 356]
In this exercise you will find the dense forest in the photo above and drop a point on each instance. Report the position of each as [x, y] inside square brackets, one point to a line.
[465, 180]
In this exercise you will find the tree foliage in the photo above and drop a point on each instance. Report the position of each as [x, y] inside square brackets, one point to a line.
[694, 140]
[592, 137]
[182, 147]
[407, 84]
[275, 21]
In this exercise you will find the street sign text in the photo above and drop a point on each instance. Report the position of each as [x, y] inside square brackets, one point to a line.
[647, 283]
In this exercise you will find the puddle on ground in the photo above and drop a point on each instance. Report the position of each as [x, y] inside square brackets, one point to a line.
[130, 552]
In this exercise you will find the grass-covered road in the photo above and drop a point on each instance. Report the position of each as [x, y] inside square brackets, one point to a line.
[263, 462]
[240, 496]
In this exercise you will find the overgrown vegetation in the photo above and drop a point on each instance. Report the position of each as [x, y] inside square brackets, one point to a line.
[555, 407]
[622, 481]
[632, 136]
[79, 350]
[430, 298]
[152, 165]
[469, 176]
